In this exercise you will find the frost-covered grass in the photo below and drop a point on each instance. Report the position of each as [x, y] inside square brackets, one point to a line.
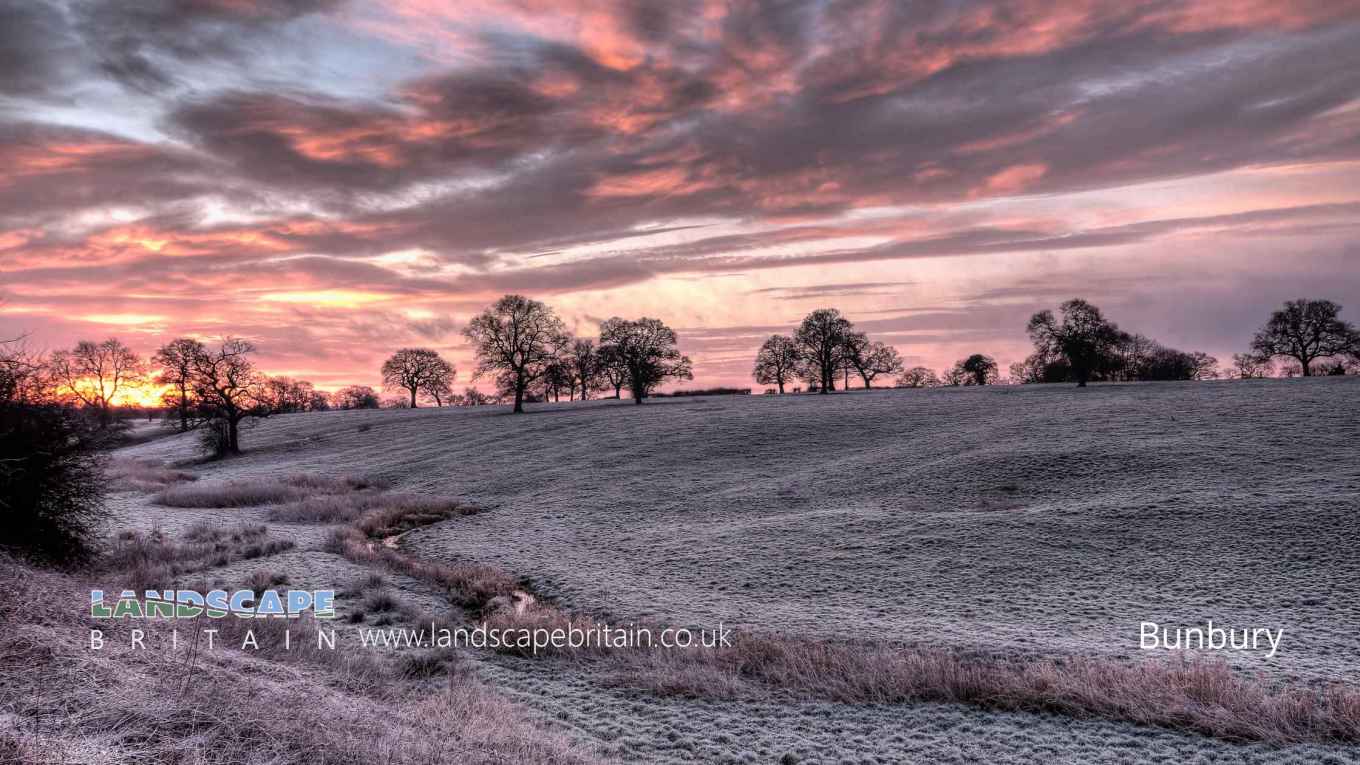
[61, 702]
[1199, 696]
[1030, 521]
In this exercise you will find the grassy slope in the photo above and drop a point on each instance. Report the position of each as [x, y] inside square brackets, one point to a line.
[1019, 518]
[984, 516]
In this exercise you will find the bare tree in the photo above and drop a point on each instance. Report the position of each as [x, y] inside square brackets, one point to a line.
[778, 362]
[977, 369]
[356, 397]
[556, 378]
[1306, 330]
[613, 368]
[24, 375]
[821, 341]
[473, 397]
[418, 370]
[1084, 337]
[871, 358]
[1249, 366]
[918, 377]
[96, 372]
[1202, 366]
[585, 367]
[176, 362]
[284, 395]
[441, 390]
[229, 389]
[516, 339]
[647, 349]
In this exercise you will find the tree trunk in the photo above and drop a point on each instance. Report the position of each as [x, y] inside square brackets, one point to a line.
[781, 387]
[183, 409]
[233, 435]
[1306, 364]
[519, 397]
[413, 398]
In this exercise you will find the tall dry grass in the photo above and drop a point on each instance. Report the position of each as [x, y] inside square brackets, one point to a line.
[126, 474]
[63, 703]
[153, 560]
[1199, 696]
[272, 491]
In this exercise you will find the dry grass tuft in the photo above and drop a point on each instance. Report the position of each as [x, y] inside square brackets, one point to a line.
[382, 513]
[470, 585]
[153, 561]
[399, 513]
[329, 508]
[294, 488]
[1203, 697]
[143, 475]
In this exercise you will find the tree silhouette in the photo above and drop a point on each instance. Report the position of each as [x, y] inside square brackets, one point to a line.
[1306, 330]
[1250, 365]
[977, 369]
[516, 339]
[52, 480]
[871, 358]
[229, 389]
[646, 348]
[284, 395]
[1084, 337]
[585, 369]
[357, 397]
[778, 362]
[418, 370]
[176, 362]
[613, 368]
[96, 372]
[918, 377]
[821, 339]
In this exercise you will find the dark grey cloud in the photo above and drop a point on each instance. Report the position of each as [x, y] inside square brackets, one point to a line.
[1126, 104]
[36, 47]
[53, 171]
[141, 44]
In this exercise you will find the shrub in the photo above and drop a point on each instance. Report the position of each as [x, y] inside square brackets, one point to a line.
[51, 483]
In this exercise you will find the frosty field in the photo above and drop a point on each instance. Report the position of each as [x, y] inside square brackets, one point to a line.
[1039, 519]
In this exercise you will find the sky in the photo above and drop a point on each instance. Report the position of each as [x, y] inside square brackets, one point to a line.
[336, 179]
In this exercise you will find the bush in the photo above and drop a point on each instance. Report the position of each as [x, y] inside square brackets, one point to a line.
[51, 483]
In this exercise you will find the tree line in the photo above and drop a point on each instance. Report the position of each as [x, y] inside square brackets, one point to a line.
[216, 388]
[1078, 345]
[523, 347]
[826, 346]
